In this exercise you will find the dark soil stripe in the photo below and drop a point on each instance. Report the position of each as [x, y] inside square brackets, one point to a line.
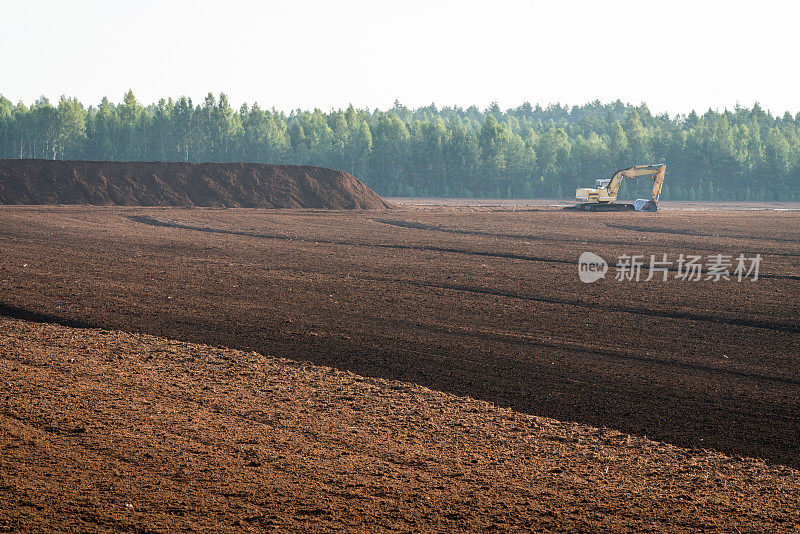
[35, 317]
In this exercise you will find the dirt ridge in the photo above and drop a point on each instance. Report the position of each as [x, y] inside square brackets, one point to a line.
[249, 185]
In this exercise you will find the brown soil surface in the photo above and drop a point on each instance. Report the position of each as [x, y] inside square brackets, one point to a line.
[181, 184]
[480, 302]
[107, 431]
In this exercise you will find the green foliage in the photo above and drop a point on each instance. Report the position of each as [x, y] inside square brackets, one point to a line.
[528, 151]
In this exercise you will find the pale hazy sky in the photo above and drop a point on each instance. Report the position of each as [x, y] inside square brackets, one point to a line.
[673, 55]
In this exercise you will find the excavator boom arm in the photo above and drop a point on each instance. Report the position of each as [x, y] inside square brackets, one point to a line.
[633, 172]
[658, 182]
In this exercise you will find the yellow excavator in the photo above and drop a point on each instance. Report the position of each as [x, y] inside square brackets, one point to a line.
[603, 196]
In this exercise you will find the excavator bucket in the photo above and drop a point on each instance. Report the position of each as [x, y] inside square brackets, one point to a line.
[644, 204]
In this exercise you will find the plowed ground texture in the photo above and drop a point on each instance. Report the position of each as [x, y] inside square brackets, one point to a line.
[108, 431]
[477, 302]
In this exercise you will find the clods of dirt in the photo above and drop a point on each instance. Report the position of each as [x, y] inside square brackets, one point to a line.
[108, 431]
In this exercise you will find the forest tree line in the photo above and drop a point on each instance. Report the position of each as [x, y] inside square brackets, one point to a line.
[524, 152]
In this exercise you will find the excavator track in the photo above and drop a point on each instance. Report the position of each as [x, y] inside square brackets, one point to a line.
[594, 206]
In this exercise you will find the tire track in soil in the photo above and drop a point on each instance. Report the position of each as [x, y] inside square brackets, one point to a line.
[754, 323]
[458, 231]
[735, 321]
[700, 234]
[144, 219]
[151, 221]
[523, 237]
[619, 354]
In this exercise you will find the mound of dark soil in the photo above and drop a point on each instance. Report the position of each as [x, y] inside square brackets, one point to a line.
[250, 185]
